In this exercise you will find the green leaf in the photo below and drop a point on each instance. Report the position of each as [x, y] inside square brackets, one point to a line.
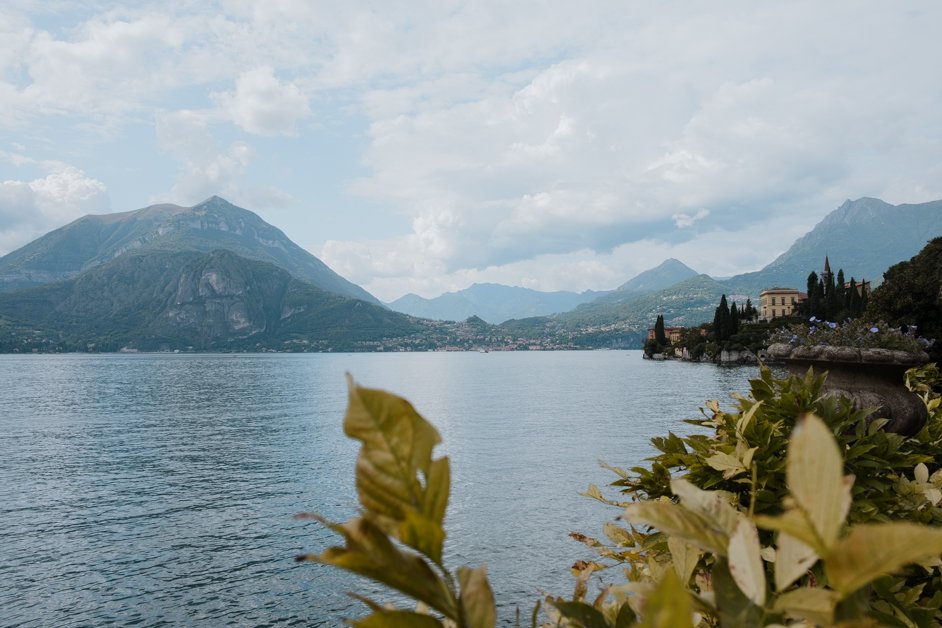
[711, 505]
[477, 600]
[745, 562]
[729, 465]
[815, 478]
[792, 560]
[668, 606]
[395, 458]
[733, 607]
[813, 605]
[685, 558]
[581, 614]
[370, 553]
[626, 616]
[874, 550]
[438, 485]
[421, 533]
[397, 619]
[677, 521]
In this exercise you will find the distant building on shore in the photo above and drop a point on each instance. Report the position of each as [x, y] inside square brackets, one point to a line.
[776, 302]
[671, 333]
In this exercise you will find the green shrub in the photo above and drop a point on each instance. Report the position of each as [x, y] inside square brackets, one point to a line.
[792, 507]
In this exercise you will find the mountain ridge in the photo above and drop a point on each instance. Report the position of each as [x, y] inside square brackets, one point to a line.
[215, 223]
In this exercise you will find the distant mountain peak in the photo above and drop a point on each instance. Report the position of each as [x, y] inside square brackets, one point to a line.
[212, 224]
[664, 275]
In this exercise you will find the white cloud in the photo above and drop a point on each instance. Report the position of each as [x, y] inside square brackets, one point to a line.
[684, 221]
[500, 138]
[263, 105]
[206, 168]
[28, 209]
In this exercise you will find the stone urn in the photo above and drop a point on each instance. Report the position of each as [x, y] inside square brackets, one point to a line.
[870, 378]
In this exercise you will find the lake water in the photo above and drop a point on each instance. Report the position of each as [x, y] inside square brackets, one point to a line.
[159, 489]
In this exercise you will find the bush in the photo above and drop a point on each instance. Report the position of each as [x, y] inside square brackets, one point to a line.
[790, 507]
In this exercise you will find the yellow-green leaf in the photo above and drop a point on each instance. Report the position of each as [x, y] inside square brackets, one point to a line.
[581, 614]
[813, 605]
[397, 619]
[437, 485]
[618, 535]
[792, 559]
[477, 600]
[685, 558]
[395, 459]
[678, 521]
[743, 423]
[731, 466]
[796, 523]
[711, 505]
[668, 605]
[424, 534]
[815, 478]
[369, 552]
[874, 550]
[745, 562]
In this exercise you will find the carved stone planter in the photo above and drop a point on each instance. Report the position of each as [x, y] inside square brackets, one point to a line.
[870, 378]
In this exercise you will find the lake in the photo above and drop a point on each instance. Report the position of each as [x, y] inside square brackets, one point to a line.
[159, 489]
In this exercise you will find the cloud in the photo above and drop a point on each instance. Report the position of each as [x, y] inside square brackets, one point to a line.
[578, 139]
[263, 105]
[684, 221]
[29, 209]
[206, 169]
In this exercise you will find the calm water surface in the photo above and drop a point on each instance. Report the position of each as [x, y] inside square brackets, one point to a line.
[159, 489]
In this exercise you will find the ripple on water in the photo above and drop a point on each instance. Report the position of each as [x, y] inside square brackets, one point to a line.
[158, 489]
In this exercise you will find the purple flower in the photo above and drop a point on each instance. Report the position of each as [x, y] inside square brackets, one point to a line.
[832, 325]
[794, 338]
[874, 330]
[812, 330]
[812, 320]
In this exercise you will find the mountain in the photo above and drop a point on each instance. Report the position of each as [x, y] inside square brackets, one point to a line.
[863, 237]
[213, 224]
[666, 274]
[165, 299]
[688, 302]
[491, 302]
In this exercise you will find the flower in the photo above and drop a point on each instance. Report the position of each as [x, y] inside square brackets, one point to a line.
[853, 333]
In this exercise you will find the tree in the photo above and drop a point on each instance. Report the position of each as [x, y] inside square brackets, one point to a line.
[911, 294]
[749, 312]
[810, 305]
[659, 336]
[721, 320]
[733, 320]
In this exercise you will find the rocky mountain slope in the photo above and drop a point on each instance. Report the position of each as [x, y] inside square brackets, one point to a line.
[863, 237]
[186, 299]
[213, 224]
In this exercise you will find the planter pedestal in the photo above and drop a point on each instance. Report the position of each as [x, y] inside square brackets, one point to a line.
[869, 378]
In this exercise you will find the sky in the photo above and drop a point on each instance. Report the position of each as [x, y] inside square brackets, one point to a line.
[423, 146]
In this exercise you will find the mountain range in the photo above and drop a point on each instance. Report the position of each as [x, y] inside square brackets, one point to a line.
[216, 276]
[213, 224]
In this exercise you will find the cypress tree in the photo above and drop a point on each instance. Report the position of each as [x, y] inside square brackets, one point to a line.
[721, 320]
[733, 319]
[853, 300]
[659, 337]
[811, 304]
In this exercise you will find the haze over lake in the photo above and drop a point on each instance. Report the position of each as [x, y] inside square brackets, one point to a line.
[160, 488]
